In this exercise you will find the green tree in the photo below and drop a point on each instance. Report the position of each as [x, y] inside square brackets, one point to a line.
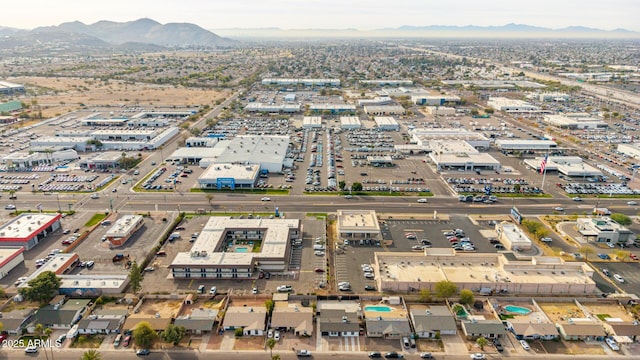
[342, 184]
[275, 357]
[621, 219]
[271, 343]
[466, 296]
[209, 197]
[425, 295]
[269, 304]
[143, 335]
[135, 277]
[238, 332]
[445, 289]
[356, 186]
[482, 342]
[91, 354]
[174, 334]
[42, 288]
[586, 250]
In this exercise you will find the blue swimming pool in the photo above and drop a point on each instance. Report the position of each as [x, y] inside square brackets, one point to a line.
[517, 310]
[242, 249]
[377, 308]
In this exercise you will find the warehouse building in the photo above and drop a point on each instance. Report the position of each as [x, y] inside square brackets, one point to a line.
[350, 122]
[434, 100]
[511, 105]
[389, 82]
[305, 82]
[123, 229]
[575, 122]
[441, 111]
[237, 249]
[378, 100]
[333, 108]
[422, 137]
[272, 108]
[9, 88]
[384, 110]
[501, 273]
[203, 156]
[632, 150]
[59, 264]
[220, 176]
[386, 123]
[10, 257]
[549, 96]
[28, 229]
[312, 122]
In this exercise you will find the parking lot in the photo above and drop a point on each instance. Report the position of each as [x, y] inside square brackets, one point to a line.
[628, 271]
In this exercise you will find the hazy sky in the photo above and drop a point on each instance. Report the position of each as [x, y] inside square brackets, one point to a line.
[337, 14]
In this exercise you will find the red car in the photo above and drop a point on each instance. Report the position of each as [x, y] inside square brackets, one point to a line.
[126, 341]
[261, 275]
[633, 257]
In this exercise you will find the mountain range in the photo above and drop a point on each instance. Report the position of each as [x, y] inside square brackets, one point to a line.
[148, 34]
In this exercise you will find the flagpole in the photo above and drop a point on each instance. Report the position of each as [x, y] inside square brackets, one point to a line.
[544, 172]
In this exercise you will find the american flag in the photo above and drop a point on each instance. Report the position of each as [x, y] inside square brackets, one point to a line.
[543, 164]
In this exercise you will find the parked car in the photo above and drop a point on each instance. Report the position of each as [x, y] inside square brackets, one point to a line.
[393, 355]
[478, 356]
[375, 354]
[304, 353]
[126, 341]
[498, 346]
[31, 350]
[525, 345]
[276, 336]
[426, 355]
[143, 352]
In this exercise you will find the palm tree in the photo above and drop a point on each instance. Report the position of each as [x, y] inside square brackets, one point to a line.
[39, 330]
[91, 354]
[48, 332]
[271, 342]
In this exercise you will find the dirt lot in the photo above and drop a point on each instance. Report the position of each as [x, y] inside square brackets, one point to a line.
[164, 308]
[249, 343]
[71, 92]
[556, 312]
[572, 348]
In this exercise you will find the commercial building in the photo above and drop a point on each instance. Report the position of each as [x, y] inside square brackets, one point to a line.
[523, 144]
[423, 136]
[24, 161]
[441, 111]
[232, 176]
[77, 143]
[202, 142]
[502, 273]
[305, 82]
[350, 122]
[460, 155]
[511, 105]
[384, 110]
[122, 230]
[358, 224]
[386, 123]
[236, 248]
[312, 122]
[10, 257]
[378, 100]
[60, 264]
[495, 84]
[112, 139]
[9, 88]
[512, 237]
[203, 156]
[434, 100]
[102, 160]
[632, 150]
[333, 108]
[93, 285]
[28, 229]
[604, 230]
[272, 108]
[268, 151]
[575, 122]
[390, 82]
[572, 166]
[549, 96]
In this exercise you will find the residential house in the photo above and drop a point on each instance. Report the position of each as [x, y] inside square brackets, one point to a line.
[532, 330]
[104, 321]
[292, 317]
[338, 322]
[13, 321]
[199, 321]
[581, 329]
[338, 318]
[630, 329]
[392, 323]
[429, 321]
[251, 319]
[489, 329]
[58, 316]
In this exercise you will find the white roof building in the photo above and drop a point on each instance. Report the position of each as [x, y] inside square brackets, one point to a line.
[222, 175]
[522, 144]
[312, 122]
[387, 123]
[513, 237]
[567, 165]
[461, 155]
[575, 121]
[384, 110]
[511, 105]
[28, 229]
[350, 122]
[358, 224]
[632, 150]
[268, 151]
[422, 136]
[226, 248]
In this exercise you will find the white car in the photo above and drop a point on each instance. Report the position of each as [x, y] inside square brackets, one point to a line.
[303, 353]
[31, 349]
[577, 198]
[478, 356]
[213, 290]
[265, 199]
[319, 253]
[254, 290]
[632, 203]
[276, 336]
[95, 196]
[618, 278]
[270, 333]
[525, 345]
[422, 201]
[612, 344]
[558, 208]
[10, 207]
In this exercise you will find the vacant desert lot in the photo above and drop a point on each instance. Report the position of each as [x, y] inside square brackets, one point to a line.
[60, 95]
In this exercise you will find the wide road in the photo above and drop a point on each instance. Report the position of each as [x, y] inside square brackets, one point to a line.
[75, 354]
[238, 202]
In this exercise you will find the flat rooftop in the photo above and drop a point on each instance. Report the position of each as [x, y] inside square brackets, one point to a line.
[92, 281]
[9, 253]
[124, 226]
[350, 120]
[385, 121]
[358, 221]
[207, 249]
[234, 171]
[26, 226]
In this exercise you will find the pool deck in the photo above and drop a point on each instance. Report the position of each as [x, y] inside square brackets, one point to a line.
[397, 311]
